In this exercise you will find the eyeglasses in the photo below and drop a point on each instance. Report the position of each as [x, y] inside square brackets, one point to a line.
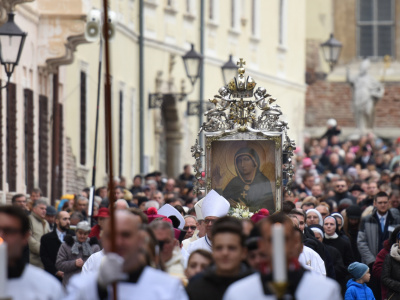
[209, 221]
[186, 228]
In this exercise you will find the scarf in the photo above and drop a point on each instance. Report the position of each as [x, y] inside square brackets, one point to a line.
[331, 237]
[86, 248]
[395, 252]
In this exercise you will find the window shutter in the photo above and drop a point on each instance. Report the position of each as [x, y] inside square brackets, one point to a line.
[43, 144]
[12, 137]
[29, 140]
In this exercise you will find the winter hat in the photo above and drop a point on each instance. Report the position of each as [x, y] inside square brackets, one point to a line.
[331, 122]
[50, 211]
[356, 187]
[357, 270]
[83, 225]
[261, 214]
[103, 213]
[152, 214]
[307, 162]
[353, 212]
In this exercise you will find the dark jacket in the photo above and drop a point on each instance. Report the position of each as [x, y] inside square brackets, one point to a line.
[370, 237]
[391, 277]
[209, 286]
[340, 270]
[344, 248]
[352, 235]
[341, 196]
[49, 246]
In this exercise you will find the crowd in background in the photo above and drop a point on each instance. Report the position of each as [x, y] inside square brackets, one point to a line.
[344, 202]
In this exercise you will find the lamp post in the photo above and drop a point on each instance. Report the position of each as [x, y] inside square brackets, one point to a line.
[331, 50]
[12, 40]
[193, 62]
[229, 70]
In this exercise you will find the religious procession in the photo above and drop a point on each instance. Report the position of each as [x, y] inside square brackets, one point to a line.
[131, 169]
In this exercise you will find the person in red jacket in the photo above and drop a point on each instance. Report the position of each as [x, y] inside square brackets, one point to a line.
[101, 217]
[380, 258]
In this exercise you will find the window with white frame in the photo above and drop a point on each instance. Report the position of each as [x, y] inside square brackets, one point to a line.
[255, 22]
[121, 134]
[211, 10]
[235, 15]
[375, 24]
[282, 23]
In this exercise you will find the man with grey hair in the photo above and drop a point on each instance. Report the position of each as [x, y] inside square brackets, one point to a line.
[121, 204]
[152, 203]
[39, 227]
[170, 254]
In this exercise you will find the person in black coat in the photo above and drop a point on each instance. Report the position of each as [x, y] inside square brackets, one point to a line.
[391, 271]
[51, 242]
[332, 238]
[212, 284]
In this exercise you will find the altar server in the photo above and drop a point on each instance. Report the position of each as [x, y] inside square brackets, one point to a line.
[24, 281]
[302, 284]
[127, 268]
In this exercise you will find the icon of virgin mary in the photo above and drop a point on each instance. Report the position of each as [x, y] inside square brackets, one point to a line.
[250, 187]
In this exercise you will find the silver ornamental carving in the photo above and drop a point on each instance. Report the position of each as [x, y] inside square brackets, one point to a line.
[238, 108]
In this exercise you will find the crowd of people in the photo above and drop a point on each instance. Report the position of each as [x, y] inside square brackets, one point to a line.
[340, 217]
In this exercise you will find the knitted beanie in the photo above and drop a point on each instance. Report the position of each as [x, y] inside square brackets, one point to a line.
[357, 270]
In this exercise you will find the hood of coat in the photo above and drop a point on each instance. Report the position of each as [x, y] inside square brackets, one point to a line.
[395, 252]
[360, 286]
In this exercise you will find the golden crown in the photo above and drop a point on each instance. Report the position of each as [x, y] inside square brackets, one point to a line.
[240, 86]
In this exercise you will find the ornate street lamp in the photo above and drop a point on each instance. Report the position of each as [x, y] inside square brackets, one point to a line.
[193, 64]
[331, 49]
[229, 70]
[12, 40]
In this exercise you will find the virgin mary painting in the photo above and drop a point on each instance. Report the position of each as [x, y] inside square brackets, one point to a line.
[250, 187]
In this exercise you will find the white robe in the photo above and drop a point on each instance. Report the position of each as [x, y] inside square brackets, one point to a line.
[310, 260]
[201, 243]
[93, 262]
[186, 243]
[34, 283]
[152, 284]
[311, 286]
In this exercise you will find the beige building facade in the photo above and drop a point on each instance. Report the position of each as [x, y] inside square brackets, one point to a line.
[269, 35]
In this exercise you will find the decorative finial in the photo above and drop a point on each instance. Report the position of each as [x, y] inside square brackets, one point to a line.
[241, 63]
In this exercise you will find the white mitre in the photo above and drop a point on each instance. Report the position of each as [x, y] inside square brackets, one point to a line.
[168, 210]
[197, 209]
[214, 205]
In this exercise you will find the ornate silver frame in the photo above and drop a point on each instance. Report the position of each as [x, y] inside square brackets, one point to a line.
[237, 116]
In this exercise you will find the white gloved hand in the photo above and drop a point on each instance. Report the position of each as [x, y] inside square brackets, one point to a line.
[111, 270]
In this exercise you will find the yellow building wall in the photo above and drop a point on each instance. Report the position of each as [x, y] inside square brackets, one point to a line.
[277, 67]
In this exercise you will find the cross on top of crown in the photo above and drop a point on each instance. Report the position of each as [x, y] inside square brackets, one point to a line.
[241, 62]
